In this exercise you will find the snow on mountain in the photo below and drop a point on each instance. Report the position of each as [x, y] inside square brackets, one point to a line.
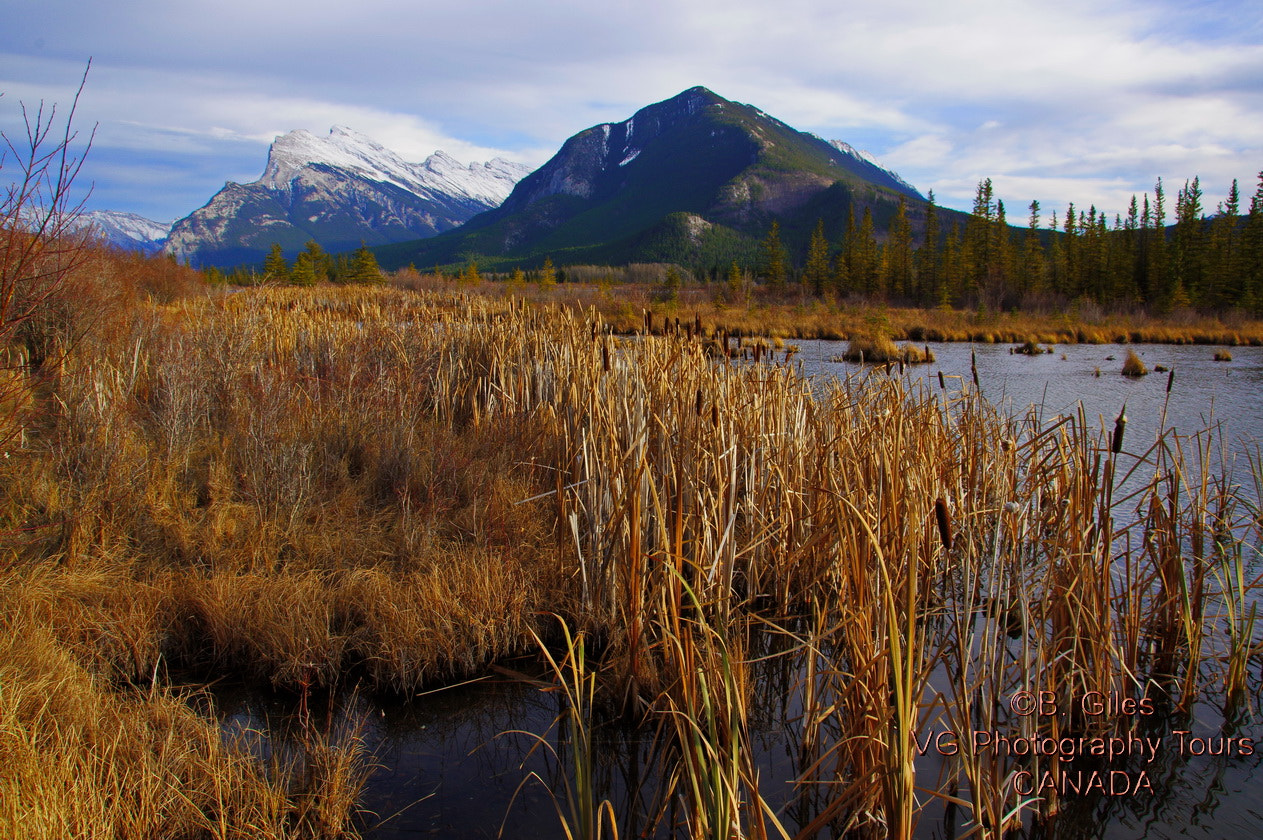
[858, 154]
[339, 190]
[348, 150]
[126, 230]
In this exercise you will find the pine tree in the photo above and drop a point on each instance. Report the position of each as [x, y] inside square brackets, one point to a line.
[671, 285]
[1159, 292]
[816, 271]
[898, 261]
[1223, 276]
[363, 268]
[304, 273]
[275, 268]
[865, 261]
[1252, 254]
[320, 262]
[773, 267]
[928, 272]
[1032, 271]
[1188, 247]
[547, 278]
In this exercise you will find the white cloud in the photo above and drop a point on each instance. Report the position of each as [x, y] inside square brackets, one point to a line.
[1059, 98]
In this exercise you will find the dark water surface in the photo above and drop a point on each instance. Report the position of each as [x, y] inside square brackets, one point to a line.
[449, 764]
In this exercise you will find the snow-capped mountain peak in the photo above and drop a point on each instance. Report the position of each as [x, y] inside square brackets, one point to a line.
[339, 189]
[346, 149]
[126, 230]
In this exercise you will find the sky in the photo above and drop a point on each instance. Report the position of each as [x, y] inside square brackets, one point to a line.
[1072, 101]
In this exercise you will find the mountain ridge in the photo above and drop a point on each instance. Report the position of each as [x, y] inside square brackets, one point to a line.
[727, 163]
[339, 190]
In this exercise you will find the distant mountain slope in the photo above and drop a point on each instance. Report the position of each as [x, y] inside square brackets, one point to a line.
[339, 190]
[127, 230]
[729, 168]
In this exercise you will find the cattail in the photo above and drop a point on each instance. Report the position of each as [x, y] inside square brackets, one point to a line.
[1170, 380]
[941, 383]
[944, 520]
[973, 368]
[1119, 425]
[697, 404]
[605, 357]
[714, 415]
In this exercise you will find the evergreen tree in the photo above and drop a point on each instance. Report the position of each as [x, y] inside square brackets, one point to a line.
[363, 268]
[1032, 270]
[864, 260]
[1159, 292]
[1188, 248]
[320, 262]
[816, 271]
[979, 256]
[671, 285]
[547, 278]
[1252, 254]
[275, 268]
[1223, 274]
[773, 263]
[898, 262]
[304, 273]
[928, 270]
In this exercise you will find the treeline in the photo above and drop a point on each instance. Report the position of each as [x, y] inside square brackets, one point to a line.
[1146, 258]
[311, 266]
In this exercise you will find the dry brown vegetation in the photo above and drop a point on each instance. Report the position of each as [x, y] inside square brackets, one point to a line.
[393, 487]
[621, 306]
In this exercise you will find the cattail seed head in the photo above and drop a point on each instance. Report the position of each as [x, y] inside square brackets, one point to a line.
[1119, 425]
[944, 520]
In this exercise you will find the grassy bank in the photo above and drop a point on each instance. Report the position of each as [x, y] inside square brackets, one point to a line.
[393, 488]
[751, 314]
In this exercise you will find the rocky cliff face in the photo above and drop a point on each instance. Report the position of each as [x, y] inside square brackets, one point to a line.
[340, 190]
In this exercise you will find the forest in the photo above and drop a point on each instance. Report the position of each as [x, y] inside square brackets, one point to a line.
[1146, 259]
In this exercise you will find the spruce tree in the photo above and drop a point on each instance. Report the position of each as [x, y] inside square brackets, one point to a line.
[929, 256]
[865, 260]
[364, 267]
[816, 271]
[304, 273]
[1032, 271]
[320, 262]
[1223, 254]
[1252, 254]
[898, 263]
[275, 268]
[547, 278]
[773, 268]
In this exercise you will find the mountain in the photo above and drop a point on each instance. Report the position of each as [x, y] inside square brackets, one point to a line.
[126, 230]
[340, 190]
[695, 178]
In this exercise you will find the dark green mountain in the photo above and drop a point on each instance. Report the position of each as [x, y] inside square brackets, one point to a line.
[696, 179]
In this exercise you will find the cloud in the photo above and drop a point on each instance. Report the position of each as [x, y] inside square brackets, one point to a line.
[1064, 97]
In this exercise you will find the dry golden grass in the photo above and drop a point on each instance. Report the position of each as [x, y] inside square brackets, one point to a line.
[1134, 366]
[385, 487]
[623, 307]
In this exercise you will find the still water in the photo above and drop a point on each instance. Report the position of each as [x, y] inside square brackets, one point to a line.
[1205, 394]
[461, 762]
